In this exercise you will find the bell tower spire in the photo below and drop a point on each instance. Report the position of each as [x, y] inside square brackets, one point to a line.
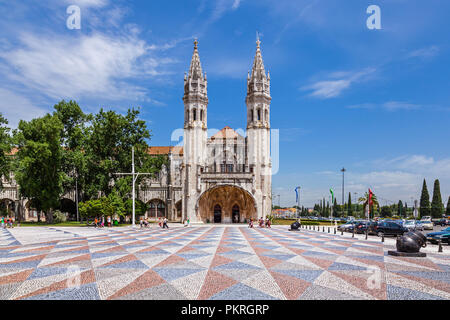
[195, 100]
[258, 130]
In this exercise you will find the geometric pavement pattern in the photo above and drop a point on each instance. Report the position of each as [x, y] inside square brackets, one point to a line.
[211, 262]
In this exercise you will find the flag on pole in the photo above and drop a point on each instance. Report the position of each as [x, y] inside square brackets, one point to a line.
[296, 194]
[332, 195]
[370, 197]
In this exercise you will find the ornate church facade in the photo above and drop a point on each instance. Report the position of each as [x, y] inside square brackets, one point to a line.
[225, 178]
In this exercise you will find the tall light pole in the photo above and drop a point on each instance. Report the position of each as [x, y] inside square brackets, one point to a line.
[134, 178]
[343, 172]
[76, 195]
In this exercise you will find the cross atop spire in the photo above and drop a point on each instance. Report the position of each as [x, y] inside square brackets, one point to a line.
[195, 71]
[258, 71]
[195, 80]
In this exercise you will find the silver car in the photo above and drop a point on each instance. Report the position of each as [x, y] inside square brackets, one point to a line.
[426, 224]
[412, 225]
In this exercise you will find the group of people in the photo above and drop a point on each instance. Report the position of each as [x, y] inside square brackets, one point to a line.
[100, 223]
[7, 223]
[262, 223]
[162, 222]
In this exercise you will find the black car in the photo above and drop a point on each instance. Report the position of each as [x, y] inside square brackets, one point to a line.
[387, 228]
[441, 222]
[361, 227]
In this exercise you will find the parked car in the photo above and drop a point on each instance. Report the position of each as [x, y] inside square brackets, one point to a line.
[387, 228]
[346, 227]
[442, 222]
[412, 225]
[443, 235]
[427, 224]
[361, 226]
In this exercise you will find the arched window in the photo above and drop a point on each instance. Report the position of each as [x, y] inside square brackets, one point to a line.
[194, 114]
[266, 115]
[252, 116]
[201, 115]
[187, 115]
[259, 114]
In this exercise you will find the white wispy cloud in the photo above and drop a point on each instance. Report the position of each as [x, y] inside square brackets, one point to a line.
[89, 65]
[336, 83]
[16, 107]
[88, 3]
[389, 106]
[428, 52]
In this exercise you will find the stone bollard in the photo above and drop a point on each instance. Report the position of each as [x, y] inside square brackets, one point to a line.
[367, 233]
[323, 229]
[382, 238]
[353, 232]
[342, 232]
[334, 230]
[328, 229]
[440, 246]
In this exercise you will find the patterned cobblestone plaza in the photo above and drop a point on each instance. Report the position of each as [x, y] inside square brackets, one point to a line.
[211, 262]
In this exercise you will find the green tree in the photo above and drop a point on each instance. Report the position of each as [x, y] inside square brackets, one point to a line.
[386, 211]
[5, 149]
[400, 208]
[73, 141]
[108, 151]
[425, 209]
[38, 171]
[437, 207]
[448, 206]
[350, 207]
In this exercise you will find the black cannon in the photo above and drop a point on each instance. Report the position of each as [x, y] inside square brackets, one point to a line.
[409, 245]
[295, 226]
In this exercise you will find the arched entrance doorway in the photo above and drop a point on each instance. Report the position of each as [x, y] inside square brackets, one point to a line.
[236, 205]
[7, 208]
[217, 214]
[235, 213]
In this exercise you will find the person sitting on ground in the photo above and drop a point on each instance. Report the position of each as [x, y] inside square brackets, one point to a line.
[250, 224]
[268, 223]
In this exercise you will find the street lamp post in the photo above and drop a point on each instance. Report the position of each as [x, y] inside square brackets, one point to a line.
[76, 195]
[134, 178]
[343, 172]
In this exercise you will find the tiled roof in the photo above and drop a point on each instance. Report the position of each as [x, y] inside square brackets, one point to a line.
[226, 133]
[165, 150]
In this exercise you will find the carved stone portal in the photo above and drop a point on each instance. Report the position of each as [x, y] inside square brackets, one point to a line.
[226, 204]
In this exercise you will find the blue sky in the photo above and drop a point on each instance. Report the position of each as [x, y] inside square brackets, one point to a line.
[374, 101]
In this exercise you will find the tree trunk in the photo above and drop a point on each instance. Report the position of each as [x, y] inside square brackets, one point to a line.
[49, 216]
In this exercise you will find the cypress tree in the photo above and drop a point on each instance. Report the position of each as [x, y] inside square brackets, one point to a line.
[448, 206]
[406, 210]
[350, 209]
[425, 209]
[437, 207]
[400, 208]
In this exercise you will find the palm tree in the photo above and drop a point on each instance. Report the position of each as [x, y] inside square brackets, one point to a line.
[365, 199]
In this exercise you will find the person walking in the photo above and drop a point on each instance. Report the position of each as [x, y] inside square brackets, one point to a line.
[109, 221]
[3, 223]
[160, 222]
[96, 222]
[250, 224]
[165, 223]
